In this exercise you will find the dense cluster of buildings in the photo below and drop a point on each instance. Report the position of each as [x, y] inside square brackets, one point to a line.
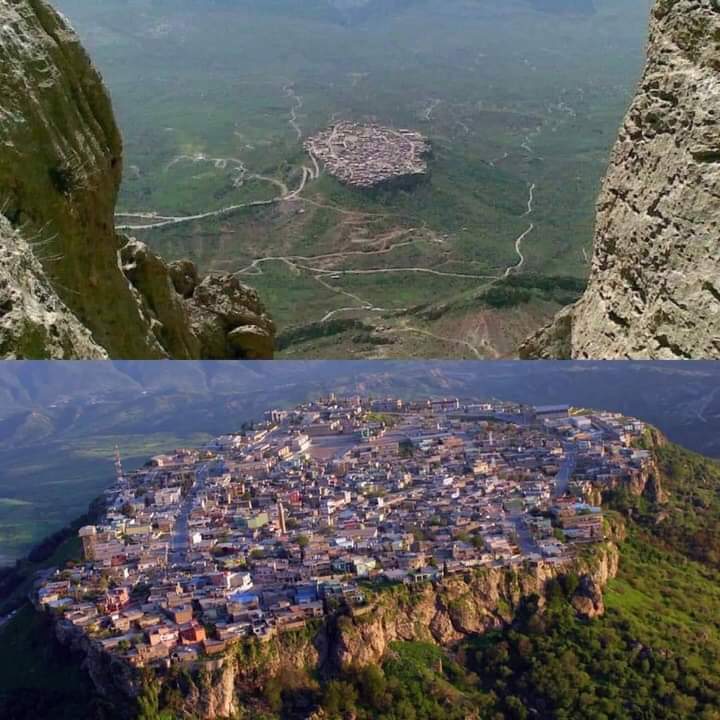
[260, 531]
[365, 156]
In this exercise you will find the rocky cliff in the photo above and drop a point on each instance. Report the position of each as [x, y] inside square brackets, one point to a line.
[444, 613]
[33, 320]
[654, 289]
[460, 606]
[60, 169]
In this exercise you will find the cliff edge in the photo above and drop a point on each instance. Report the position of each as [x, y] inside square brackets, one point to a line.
[60, 170]
[444, 613]
[654, 288]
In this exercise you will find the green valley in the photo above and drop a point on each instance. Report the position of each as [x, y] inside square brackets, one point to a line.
[520, 102]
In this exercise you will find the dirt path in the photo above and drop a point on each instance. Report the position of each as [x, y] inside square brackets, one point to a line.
[159, 221]
[180, 220]
[455, 341]
[377, 271]
[297, 104]
[254, 269]
[518, 241]
[430, 109]
[531, 199]
[316, 265]
[521, 261]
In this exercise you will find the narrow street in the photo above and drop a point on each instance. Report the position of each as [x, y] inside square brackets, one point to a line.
[562, 479]
[180, 537]
[525, 540]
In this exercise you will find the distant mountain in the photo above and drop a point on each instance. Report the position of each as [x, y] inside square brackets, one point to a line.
[71, 399]
[564, 7]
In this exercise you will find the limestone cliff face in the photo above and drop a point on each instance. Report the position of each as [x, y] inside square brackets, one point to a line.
[460, 606]
[60, 169]
[116, 680]
[215, 318]
[33, 319]
[444, 613]
[654, 289]
[651, 483]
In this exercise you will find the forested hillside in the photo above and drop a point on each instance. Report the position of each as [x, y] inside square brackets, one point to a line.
[690, 521]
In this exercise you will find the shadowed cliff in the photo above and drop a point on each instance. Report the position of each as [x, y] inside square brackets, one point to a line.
[60, 170]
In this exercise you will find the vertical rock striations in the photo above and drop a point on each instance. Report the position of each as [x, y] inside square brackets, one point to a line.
[60, 170]
[654, 288]
[461, 606]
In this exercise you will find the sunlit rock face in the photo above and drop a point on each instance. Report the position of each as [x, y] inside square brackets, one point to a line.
[60, 170]
[654, 288]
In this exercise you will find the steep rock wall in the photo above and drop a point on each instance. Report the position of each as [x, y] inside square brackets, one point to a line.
[444, 613]
[654, 288]
[460, 606]
[60, 170]
[114, 679]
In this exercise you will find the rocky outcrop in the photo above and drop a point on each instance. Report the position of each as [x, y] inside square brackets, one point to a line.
[34, 322]
[650, 484]
[212, 692]
[654, 288]
[461, 606]
[444, 613]
[60, 170]
[214, 318]
[116, 680]
[229, 319]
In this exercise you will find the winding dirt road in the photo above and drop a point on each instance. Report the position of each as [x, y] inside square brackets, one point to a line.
[296, 106]
[148, 220]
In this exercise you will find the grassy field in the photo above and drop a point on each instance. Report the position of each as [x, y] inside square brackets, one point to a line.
[510, 97]
[38, 679]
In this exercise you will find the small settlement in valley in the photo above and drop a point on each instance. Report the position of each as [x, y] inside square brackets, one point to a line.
[366, 156]
[262, 530]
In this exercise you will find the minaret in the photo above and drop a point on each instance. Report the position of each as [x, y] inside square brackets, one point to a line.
[118, 466]
[281, 518]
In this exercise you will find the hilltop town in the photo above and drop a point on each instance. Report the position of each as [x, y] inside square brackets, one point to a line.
[365, 156]
[263, 530]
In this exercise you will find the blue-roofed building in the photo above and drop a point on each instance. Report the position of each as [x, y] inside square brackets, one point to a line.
[306, 594]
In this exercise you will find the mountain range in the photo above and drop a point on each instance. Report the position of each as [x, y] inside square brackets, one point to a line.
[45, 400]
